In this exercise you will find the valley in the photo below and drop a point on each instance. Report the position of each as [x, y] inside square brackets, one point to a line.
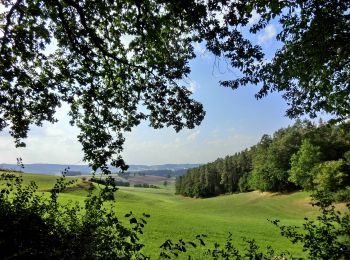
[174, 217]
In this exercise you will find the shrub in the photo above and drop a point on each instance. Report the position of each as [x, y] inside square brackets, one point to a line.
[326, 238]
[33, 226]
[342, 195]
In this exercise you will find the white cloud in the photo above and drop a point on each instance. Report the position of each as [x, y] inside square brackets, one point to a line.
[193, 86]
[199, 145]
[193, 135]
[268, 34]
[144, 145]
[51, 143]
[42, 149]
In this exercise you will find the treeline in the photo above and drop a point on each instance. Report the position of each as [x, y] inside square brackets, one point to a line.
[117, 183]
[124, 183]
[164, 173]
[146, 185]
[302, 156]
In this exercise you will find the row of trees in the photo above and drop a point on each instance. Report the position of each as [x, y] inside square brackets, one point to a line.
[302, 156]
[116, 182]
[146, 185]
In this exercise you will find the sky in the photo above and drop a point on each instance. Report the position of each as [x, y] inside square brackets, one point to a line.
[234, 120]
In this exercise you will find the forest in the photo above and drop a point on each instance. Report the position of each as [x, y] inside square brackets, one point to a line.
[305, 155]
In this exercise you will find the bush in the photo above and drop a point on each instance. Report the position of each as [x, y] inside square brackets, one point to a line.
[342, 195]
[33, 226]
[326, 238]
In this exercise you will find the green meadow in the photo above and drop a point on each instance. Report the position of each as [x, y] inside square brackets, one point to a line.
[174, 217]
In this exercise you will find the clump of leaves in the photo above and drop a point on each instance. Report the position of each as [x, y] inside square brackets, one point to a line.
[327, 237]
[251, 251]
[36, 226]
[171, 249]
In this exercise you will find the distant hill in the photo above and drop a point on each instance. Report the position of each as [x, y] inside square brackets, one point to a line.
[57, 169]
[164, 173]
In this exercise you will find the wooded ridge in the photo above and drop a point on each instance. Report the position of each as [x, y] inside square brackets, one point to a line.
[302, 156]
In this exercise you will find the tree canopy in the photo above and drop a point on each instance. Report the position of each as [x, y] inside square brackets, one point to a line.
[117, 63]
[108, 58]
[311, 69]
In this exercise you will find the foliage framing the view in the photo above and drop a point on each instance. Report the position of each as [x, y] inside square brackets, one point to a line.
[107, 59]
[104, 59]
[34, 226]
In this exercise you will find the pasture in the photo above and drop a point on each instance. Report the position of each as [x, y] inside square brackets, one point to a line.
[174, 217]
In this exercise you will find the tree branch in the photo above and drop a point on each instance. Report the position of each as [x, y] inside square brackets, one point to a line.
[8, 22]
[96, 40]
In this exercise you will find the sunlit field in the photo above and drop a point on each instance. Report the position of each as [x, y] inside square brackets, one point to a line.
[173, 217]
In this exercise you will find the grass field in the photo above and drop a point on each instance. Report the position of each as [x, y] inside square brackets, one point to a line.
[174, 217]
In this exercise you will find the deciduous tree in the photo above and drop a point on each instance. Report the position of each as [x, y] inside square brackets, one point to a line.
[106, 59]
[302, 164]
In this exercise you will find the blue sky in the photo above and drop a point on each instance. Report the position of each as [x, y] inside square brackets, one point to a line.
[235, 120]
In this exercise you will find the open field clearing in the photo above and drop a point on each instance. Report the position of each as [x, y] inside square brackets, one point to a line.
[174, 217]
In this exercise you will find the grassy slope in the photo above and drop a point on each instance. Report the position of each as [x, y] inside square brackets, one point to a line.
[174, 217]
[244, 215]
